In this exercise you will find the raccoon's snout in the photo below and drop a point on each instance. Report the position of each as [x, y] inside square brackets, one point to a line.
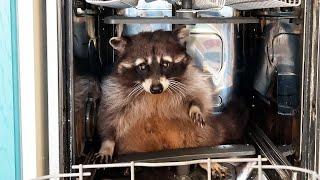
[155, 86]
[156, 89]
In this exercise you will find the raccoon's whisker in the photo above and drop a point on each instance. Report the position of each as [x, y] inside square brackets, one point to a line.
[178, 86]
[139, 89]
[176, 99]
[202, 75]
[136, 85]
[177, 82]
[133, 96]
[170, 91]
[180, 83]
[178, 90]
[134, 91]
[181, 86]
[183, 89]
[173, 79]
[138, 93]
[173, 90]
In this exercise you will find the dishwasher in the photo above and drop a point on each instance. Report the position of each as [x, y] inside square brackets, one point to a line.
[265, 50]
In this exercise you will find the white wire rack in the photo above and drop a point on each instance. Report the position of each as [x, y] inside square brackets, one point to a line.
[208, 4]
[81, 168]
[114, 3]
[259, 4]
[197, 4]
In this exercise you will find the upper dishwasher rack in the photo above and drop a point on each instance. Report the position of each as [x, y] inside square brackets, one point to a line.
[114, 3]
[196, 5]
[206, 4]
[261, 4]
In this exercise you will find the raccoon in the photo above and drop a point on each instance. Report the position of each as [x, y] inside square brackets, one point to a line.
[155, 98]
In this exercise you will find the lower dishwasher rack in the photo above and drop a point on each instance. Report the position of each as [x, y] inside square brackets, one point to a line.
[191, 156]
[82, 169]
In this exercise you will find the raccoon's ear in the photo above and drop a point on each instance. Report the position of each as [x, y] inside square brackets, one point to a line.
[182, 34]
[118, 43]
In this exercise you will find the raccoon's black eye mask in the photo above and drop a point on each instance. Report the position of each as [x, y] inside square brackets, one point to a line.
[142, 68]
[160, 49]
[163, 66]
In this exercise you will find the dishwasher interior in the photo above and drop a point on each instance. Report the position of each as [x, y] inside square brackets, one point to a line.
[250, 48]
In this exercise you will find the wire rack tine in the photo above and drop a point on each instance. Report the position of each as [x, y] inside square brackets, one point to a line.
[209, 169]
[291, 168]
[294, 176]
[259, 168]
[80, 172]
[132, 170]
[314, 176]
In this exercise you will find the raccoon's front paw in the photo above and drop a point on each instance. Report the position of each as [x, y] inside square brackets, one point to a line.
[106, 151]
[217, 170]
[196, 115]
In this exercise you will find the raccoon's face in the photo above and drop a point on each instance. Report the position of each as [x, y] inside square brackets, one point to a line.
[152, 59]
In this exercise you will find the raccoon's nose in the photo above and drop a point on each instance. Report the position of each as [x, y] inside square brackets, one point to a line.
[156, 89]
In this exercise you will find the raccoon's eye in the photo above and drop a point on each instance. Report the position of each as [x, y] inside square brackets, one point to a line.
[165, 64]
[142, 67]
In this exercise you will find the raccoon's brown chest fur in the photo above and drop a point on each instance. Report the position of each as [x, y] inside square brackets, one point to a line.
[158, 122]
[162, 123]
[157, 133]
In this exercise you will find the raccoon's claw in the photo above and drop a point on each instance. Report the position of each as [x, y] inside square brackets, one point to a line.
[217, 170]
[196, 115]
[106, 151]
[102, 159]
[198, 119]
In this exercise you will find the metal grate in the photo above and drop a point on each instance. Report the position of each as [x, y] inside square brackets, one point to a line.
[81, 168]
[260, 4]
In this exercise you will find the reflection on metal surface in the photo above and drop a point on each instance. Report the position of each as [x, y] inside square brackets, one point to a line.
[213, 48]
[269, 150]
[114, 3]
[178, 20]
[259, 4]
[90, 119]
[310, 106]
[151, 9]
[187, 154]
[197, 4]
[280, 56]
